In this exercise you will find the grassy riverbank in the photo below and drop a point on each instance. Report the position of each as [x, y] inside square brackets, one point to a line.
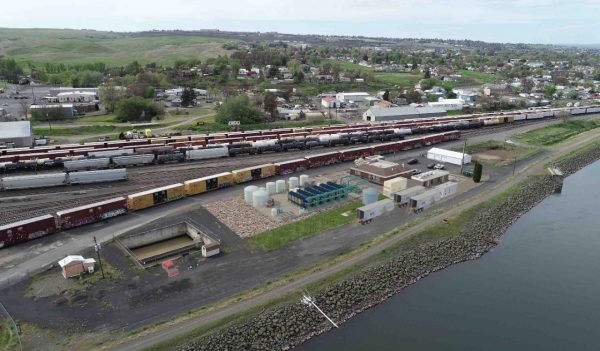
[557, 133]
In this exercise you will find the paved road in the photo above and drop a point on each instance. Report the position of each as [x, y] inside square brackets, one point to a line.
[173, 331]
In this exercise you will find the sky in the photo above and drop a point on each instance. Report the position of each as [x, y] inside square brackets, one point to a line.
[522, 21]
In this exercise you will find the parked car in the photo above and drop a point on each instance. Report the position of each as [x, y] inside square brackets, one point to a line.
[414, 161]
[416, 171]
[431, 165]
[439, 166]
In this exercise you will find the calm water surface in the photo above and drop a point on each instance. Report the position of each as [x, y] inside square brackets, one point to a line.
[539, 289]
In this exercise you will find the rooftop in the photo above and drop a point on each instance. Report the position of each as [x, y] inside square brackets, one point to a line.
[19, 129]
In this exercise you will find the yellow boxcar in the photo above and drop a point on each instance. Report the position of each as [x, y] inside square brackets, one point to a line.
[253, 173]
[139, 201]
[155, 197]
[268, 170]
[204, 184]
[175, 192]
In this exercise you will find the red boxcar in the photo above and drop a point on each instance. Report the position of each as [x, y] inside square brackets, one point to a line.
[29, 229]
[353, 154]
[91, 213]
[291, 166]
[325, 159]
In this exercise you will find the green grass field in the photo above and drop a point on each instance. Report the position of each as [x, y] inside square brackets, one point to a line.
[511, 150]
[557, 133]
[8, 340]
[278, 237]
[406, 80]
[67, 46]
[476, 78]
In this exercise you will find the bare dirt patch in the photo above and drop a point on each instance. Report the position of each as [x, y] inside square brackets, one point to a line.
[493, 155]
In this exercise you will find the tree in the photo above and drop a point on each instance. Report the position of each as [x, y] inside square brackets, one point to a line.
[138, 109]
[294, 66]
[10, 70]
[477, 172]
[386, 95]
[187, 97]
[413, 96]
[110, 95]
[549, 91]
[133, 68]
[270, 104]
[238, 108]
[427, 74]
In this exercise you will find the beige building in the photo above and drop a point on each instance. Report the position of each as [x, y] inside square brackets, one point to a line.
[74, 265]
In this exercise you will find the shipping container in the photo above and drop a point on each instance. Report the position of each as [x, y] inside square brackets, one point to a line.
[155, 197]
[132, 160]
[418, 202]
[86, 164]
[402, 197]
[107, 175]
[367, 213]
[204, 184]
[253, 173]
[29, 229]
[33, 181]
[91, 213]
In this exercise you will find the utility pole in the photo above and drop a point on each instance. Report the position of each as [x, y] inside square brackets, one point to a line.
[514, 165]
[462, 162]
[97, 248]
[309, 301]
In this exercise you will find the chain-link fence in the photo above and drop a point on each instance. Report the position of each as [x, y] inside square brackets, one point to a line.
[6, 317]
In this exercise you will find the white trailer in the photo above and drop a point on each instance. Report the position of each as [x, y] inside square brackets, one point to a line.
[86, 164]
[403, 197]
[447, 156]
[124, 161]
[34, 181]
[206, 153]
[367, 213]
[108, 175]
[437, 193]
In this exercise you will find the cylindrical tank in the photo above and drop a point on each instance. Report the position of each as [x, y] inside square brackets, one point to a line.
[293, 182]
[259, 198]
[304, 179]
[271, 188]
[280, 186]
[248, 191]
[274, 212]
[369, 196]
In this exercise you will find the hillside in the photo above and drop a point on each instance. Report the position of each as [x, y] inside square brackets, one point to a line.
[84, 46]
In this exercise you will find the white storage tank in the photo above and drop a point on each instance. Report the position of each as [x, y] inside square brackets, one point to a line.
[280, 186]
[271, 188]
[293, 182]
[304, 179]
[369, 196]
[260, 198]
[248, 192]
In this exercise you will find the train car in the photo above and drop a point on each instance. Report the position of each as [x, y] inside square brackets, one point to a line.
[107, 175]
[535, 115]
[99, 211]
[110, 153]
[133, 160]
[453, 135]
[173, 157]
[158, 150]
[291, 166]
[266, 145]
[354, 153]
[253, 173]
[593, 110]
[204, 184]
[154, 197]
[328, 158]
[29, 229]
[33, 181]
[86, 164]
[578, 111]
[206, 153]
[386, 148]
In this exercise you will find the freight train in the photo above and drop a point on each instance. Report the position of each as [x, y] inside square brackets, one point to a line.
[15, 233]
[62, 178]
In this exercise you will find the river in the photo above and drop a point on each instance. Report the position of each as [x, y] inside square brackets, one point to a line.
[539, 289]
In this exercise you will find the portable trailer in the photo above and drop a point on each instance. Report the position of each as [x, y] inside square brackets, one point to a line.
[367, 213]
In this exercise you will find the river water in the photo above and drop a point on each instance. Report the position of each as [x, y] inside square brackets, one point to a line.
[539, 289]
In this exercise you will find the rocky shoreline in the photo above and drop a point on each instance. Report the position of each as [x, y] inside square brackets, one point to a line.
[284, 327]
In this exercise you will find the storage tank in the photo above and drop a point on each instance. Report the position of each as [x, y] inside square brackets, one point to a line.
[248, 191]
[259, 198]
[293, 182]
[304, 179]
[274, 212]
[271, 188]
[369, 196]
[280, 186]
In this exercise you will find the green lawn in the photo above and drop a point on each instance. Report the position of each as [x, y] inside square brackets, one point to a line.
[8, 340]
[278, 237]
[347, 65]
[87, 46]
[407, 80]
[557, 133]
[476, 78]
[521, 152]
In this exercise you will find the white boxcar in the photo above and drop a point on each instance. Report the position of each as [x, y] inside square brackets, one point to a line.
[111, 153]
[206, 153]
[535, 115]
[520, 117]
[548, 114]
[86, 164]
[403, 197]
[34, 181]
[578, 111]
[367, 213]
[107, 175]
[593, 110]
[123, 161]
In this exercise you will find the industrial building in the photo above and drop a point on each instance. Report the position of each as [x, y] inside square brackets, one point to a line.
[448, 104]
[380, 171]
[402, 112]
[447, 156]
[16, 134]
[352, 97]
[44, 110]
[431, 178]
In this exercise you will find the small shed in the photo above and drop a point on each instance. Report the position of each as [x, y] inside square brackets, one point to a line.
[74, 265]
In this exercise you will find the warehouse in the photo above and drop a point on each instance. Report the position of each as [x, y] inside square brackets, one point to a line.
[402, 112]
[447, 156]
[380, 171]
[52, 111]
[17, 134]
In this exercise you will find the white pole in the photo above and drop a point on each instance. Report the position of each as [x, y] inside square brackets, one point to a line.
[323, 313]
[307, 300]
